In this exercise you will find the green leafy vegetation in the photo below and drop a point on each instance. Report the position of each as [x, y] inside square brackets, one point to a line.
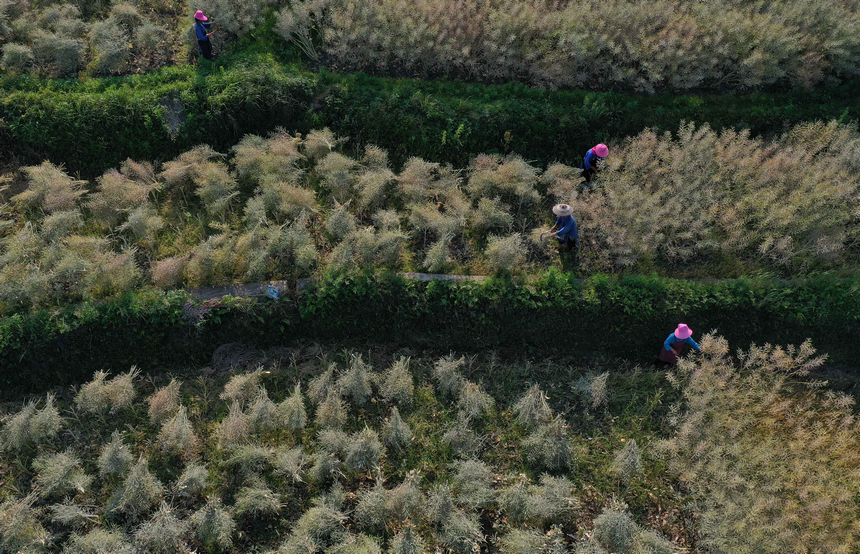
[531, 435]
[93, 125]
[50, 348]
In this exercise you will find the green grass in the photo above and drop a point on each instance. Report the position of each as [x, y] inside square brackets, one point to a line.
[62, 346]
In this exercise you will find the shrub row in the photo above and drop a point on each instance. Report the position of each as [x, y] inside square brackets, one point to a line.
[627, 318]
[94, 125]
[451, 121]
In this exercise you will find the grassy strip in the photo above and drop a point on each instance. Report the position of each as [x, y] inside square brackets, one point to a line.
[92, 125]
[626, 318]
[95, 125]
[451, 121]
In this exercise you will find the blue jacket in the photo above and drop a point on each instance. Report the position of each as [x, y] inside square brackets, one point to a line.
[590, 159]
[672, 338]
[201, 28]
[566, 228]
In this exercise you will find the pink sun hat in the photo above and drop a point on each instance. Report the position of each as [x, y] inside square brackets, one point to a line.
[683, 332]
[601, 150]
[200, 17]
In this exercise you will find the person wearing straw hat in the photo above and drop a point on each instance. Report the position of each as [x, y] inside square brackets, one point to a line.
[201, 26]
[567, 232]
[674, 345]
[589, 163]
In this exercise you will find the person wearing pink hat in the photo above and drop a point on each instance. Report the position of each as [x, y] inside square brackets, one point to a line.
[201, 26]
[589, 163]
[674, 345]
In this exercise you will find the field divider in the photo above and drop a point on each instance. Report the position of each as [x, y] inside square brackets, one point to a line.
[245, 290]
[157, 330]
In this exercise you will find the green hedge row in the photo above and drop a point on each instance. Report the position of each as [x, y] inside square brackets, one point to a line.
[93, 125]
[626, 318]
[451, 121]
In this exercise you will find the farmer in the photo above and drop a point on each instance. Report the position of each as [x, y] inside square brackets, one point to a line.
[589, 163]
[567, 232]
[200, 28]
[674, 345]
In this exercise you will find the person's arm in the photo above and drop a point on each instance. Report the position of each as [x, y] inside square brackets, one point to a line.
[589, 158]
[691, 342]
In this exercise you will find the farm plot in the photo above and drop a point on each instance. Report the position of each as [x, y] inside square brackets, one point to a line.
[324, 451]
[703, 204]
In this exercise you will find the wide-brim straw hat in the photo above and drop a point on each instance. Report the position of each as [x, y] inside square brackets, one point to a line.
[562, 210]
[199, 16]
[683, 332]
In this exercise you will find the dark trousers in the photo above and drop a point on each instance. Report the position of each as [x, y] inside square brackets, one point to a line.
[205, 48]
[668, 358]
[588, 174]
[571, 244]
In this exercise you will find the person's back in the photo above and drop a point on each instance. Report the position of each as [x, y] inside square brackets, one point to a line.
[567, 232]
[674, 345]
[589, 163]
[201, 28]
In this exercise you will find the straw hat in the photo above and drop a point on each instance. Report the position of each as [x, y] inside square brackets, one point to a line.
[683, 332]
[562, 210]
[200, 17]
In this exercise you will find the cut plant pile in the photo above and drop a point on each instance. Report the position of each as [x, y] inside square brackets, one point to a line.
[317, 451]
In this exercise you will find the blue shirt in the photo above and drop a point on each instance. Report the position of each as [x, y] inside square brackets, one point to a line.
[566, 228]
[672, 338]
[200, 28]
[590, 159]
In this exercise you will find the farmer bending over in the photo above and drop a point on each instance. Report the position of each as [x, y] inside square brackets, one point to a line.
[589, 163]
[200, 28]
[567, 232]
[674, 345]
